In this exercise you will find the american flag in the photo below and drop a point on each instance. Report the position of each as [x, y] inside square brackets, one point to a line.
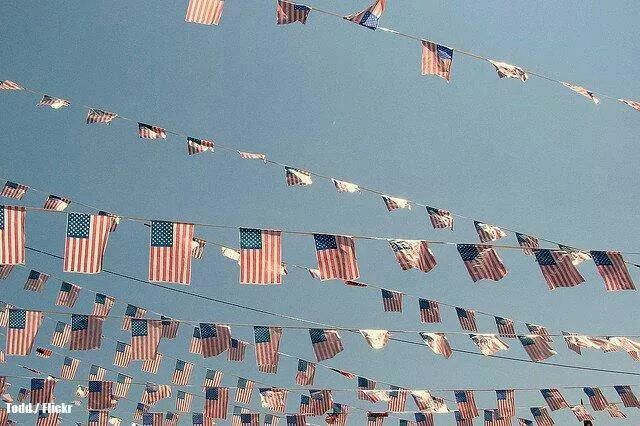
[297, 177]
[102, 305]
[391, 300]
[197, 247]
[140, 409]
[506, 402]
[36, 281]
[615, 412]
[170, 252]
[296, 420]
[336, 255]
[61, 334]
[439, 218]
[627, 396]
[275, 399]
[429, 311]
[68, 295]
[169, 327]
[436, 60]
[236, 350]
[542, 417]
[423, 419]
[196, 146]
[394, 203]
[438, 343]
[528, 243]
[99, 116]
[244, 389]
[10, 85]
[122, 356]
[321, 401]
[182, 373]
[206, 12]
[215, 339]
[14, 190]
[524, 422]
[505, 327]
[467, 319]
[461, 420]
[252, 156]
[200, 420]
[86, 242]
[326, 343]
[288, 13]
[376, 419]
[153, 393]
[4, 314]
[489, 344]
[96, 372]
[54, 202]
[152, 365]
[12, 236]
[596, 398]
[509, 71]
[195, 347]
[86, 332]
[493, 418]
[148, 131]
[213, 379]
[413, 254]
[582, 91]
[183, 401]
[488, 233]
[306, 373]
[48, 419]
[554, 399]
[612, 269]
[69, 368]
[43, 352]
[55, 103]
[21, 331]
[267, 340]
[342, 186]
[536, 347]
[145, 338]
[557, 269]
[23, 394]
[152, 419]
[482, 262]
[466, 403]
[633, 104]
[370, 16]
[247, 419]
[42, 390]
[539, 330]
[132, 312]
[260, 256]
[338, 415]
[123, 383]
[99, 395]
[581, 413]
[216, 401]
[98, 418]
[5, 271]
[426, 402]
[365, 384]
[115, 220]
[397, 399]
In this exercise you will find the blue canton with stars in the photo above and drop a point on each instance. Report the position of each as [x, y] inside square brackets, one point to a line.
[468, 251]
[601, 258]
[325, 242]
[208, 330]
[161, 233]
[78, 225]
[79, 322]
[2, 217]
[95, 386]
[138, 327]
[250, 238]
[66, 287]
[544, 257]
[317, 335]
[17, 319]
[262, 334]
[212, 393]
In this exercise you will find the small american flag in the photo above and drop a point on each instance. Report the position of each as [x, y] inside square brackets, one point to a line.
[195, 347]
[539, 330]
[213, 379]
[148, 131]
[48, 419]
[99, 116]
[509, 71]
[61, 334]
[260, 256]
[68, 295]
[197, 247]
[557, 269]
[488, 233]
[182, 373]
[336, 255]
[14, 190]
[365, 384]
[612, 269]
[326, 343]
[152, 419]
[505, 327]
[275, 399]
[196, 146]
[489, 344]
[413, 254]
[206, 12]
[527, 242]
[152, 365]
[252, 156]
[115, 220]
[615, 412]
[23, 394]
[69, 368]
[439, 218]
[306, 373]
[236, 350]
[394, 203]
[482, 262]
[429, 311]
[536, 347]
[633, 104]
[12, 236]
[342, 186]
[297, 177]
[581, 413]
[466, 403]
[506, 401]
[102, 305]
[423, 419]
[140, 409]
[554, 399]
[542, 417]
[4, 315]
[438, 343]
[436, 60]
[99, 395]
[132, 312]
[5, 271]
[582, 91]
[214, 338]
[170, 252]
[98, 418]
[169, 327]
[216, 401]
[123, 384]
[627, 396]
[86, 332]
[154, 393]
[397, 399]
[96, 372]
[267, 340]
[288, 13]
[370, 16]
[42, 390]
[145, 338]
[244, 389]
[200, 420]
[426, 402]
[596, 398]
[86, 242]
[36, 281]
[55, 103]
[467, 319]
[246, 419]
[391, 300]
[171, 419]
[183, 401]
[321, 401]
[122, 356]
[296, 420]
[42, 353]
[21, 331]
[376, 419]
[54, 202]
[10, 85]
[493, 418]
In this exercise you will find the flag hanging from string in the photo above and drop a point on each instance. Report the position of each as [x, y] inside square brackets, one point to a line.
[482, 262]
[170, 252]
[542, 417]
[536, 347]
[54, 103]
[216, 401]
[336, 255]
[267, 341]
[99, 395]
[342, 186]
[183, 401]
[488, 233]
[438, 343]
[197, 247]
[326, 343]
[297, 177]
[306, 373]
[527, 242]
[506, 70]
[489, 344]
[436, 60]
[582, 91]
[68, 295]
[12, 235]
[596, 398]
[557, 269]
[467, 319]
[86, 242]
[96, 372]
[260, 256]
[505, 327]
[196, 146]
[182, 373]
[69, 368]
[391, 300]
[145, 338]
[22, 328]
[56, 203]
[42, 390]
[214, 339]
[627, 396]
[61, 334]
[429, 311]
[244, 389]
[466, 402]
[206, 12]
[376, 339]
[86, 332]
[212, 379]
[370, 16]
[169, 327]
[148, 131]
[440, 219]
[10, 85]
[102, 305]
[413, 254]
[122, 356]
[14, 190]
[275, 399]
[236, 350]
[132, 312]
[506, 402]
[395, 203]
[36, 281]
[122, 385]
[554, 399]
[613, 270]
[95, 115]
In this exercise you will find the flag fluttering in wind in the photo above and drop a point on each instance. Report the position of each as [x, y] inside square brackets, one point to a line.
[36, 281]
[506, 402]
[244, 389]
[306, 373]
[482, 262]
[169, 327]
[370, 16]
[267, 341]
[99, 116]
[505, 327]
[12, 235]
[214, 339]
[212, 379]
[86, 242]
[336, 255]
[467, 319]
[509, 71]
[342, 186]
[633, 104]
[275, 399]
[440, 219]
[436, 60]
[154, 393]
[288, 13]
[86, 332]
[413, 254]
[54, 202]
[170, 252]
[196, 146]
[627, 396]
[54, 103]
[376, 339]
[21, 331]
[581, 413]
[102, 305]
[148, 131]
[582, 91]
[466, 403]
[554, 399]
[429, 311]
[206, 12]
[260, 256]
[557, 269]
[10, 85]
[145, 338]
[395, 203]
[326, 343]
[613, 270]
[542, 417]
[197, 247]
[391, 300]
[297, 177]
[536, 347]
[68, 294]
[438, 343]
[596, 398]
[527, 242]
[132, 312]
[14, 190]
[488, 233]
[489, 344]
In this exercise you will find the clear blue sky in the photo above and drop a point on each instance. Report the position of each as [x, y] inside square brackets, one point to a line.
[350, 103]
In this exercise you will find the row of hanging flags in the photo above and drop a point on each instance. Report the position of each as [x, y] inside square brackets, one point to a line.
[436, 59]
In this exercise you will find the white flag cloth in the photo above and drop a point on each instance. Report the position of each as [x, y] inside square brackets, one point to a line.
[584, 92]
[509, 71]
[428, 403]
[230, 253]
[342, 186]
[376, 339]
[489, 344]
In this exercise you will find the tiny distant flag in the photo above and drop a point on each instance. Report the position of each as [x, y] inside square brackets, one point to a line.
[46, 418]
[206, 12]
[542, 417]
[95, 116]
[394, 203]
[199, 419]
[140, 409]
[197, 247]
[195, 347]
[596, 398]
[86, 332]
[439, 218]
[438, 343]
[528, 243]
[214, 339]
[42, 390]
[68, 295]
[260, 256]
[36, 281]
[21, 331]
[244, 389]
[288, 13]
[61, 334]
[5, 271]
[489, 344]
[613, 270]
[183, 401]
[296, 420]
[376, 419]
[132, 312]
[615, 412]
[536, 347]
[633, 104]
[461, 420]
[122, 356]
[505, 327]
[376, 339]
[429, 311]
[145, 338]
[54, 202]
[14, 190]
[506, 70]
[123, 383]
[252, 156]
[506, 401]
[466, 403]
[170, 252]
[182, 373]
[12, 235]
[98, 418]
[436, 60]
[557, 269]
[482, 262]
[391, 300]
[297, 177]
[152, 419]
[267, 345]
[10, 85]
[413, 254]
[169, 327]
[99, 395]
[336, 256]
[152, 365]
[554, 399]
[237, 349]
[96, 372]
[326, 343]
[467, 319]
[539, 330]
[488, 233]
[397, 399]
[582, 91]
[54, 103]
[69, 368]
[154, 393]
[370, 16]
[216, 401]
[43, 353]
[275, 399]
[342, 186]
[581, 413]
[196, 146]
[213, 379]
[86, 242]
[148, 131]
[306, 373]
[627, 396]
[365, 384]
